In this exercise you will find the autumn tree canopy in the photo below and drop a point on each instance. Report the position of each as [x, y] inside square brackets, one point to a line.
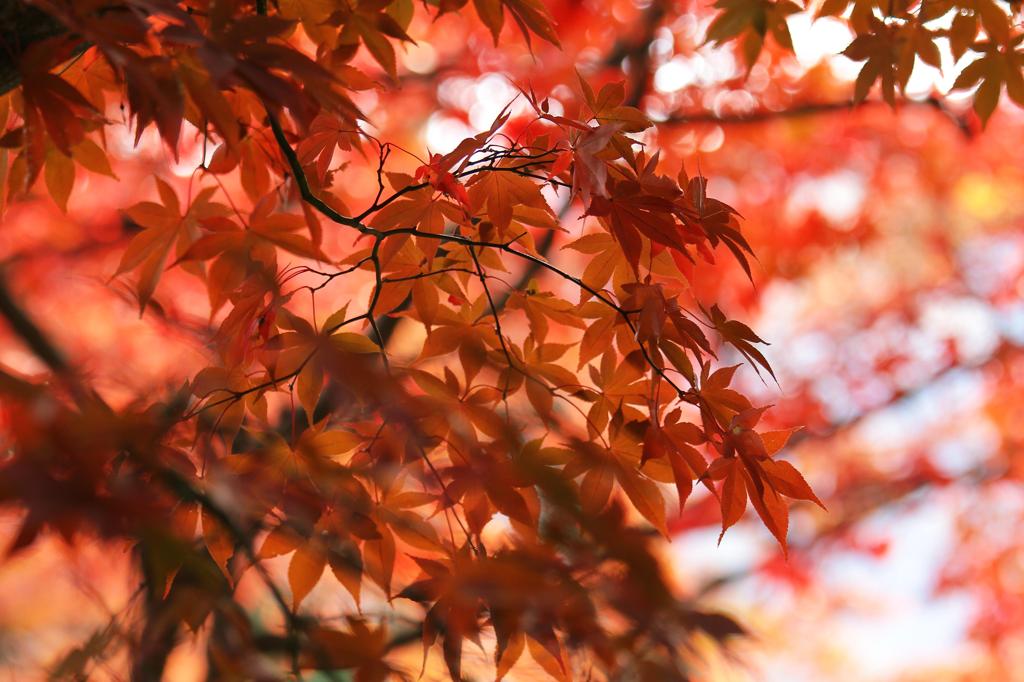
[340, 335]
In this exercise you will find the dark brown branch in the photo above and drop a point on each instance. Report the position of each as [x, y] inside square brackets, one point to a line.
[903, 396]
[27, 331]
[812, 109]
[639, 55]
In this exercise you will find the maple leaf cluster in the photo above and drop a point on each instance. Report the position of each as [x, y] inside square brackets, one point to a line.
[509, 474]
[891, 38]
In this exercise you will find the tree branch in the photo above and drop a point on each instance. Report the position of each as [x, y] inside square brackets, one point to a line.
[27, 330]
[813, 109]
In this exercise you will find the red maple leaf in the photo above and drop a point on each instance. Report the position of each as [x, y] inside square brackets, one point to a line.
[437, 174]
